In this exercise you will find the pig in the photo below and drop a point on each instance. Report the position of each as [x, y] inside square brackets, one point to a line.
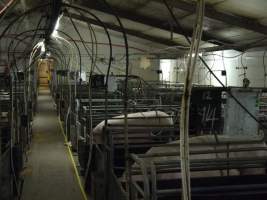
[141, 118]
[210, 140]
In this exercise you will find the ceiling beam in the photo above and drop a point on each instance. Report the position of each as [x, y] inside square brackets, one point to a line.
[163, 41]
[160, 40]
[210, 12]
[135, 33]
[153, 22]
[241, 47]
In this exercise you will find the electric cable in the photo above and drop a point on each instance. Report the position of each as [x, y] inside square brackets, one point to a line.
[214, 54]
[264, 67]
[12, 161]
[94, 44]
[93, 64]
[16, 46]
[126, 144]
[77, 31]
[243, 66]
[81, 71]
[64, 33]
[4, 11]
[69, 82]
[224, 68]
[212, 73]
[25, 83]
[110, 60]
[184, 119]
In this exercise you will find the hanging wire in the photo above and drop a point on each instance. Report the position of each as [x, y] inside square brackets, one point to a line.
[125, 98]
[184, 119]
[224, 68]
[243, 67]
[212, 73]
[108, 71]
[264, 67]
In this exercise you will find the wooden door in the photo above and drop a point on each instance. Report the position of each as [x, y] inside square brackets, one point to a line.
[43, 72]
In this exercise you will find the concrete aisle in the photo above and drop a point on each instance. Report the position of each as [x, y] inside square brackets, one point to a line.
[49, 173]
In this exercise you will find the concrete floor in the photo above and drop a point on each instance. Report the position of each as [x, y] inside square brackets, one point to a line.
[49, 173]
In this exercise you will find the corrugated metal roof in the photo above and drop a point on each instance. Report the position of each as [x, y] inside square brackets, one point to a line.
[247, 8]
[215, 28]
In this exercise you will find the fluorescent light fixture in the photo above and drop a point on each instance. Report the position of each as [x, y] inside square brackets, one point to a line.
[55, 32]
[193, 55]
[42, 44]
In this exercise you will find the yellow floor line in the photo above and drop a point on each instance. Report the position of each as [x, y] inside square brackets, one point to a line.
[73, 163]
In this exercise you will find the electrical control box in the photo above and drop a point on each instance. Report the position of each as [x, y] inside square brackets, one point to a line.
[236, 120]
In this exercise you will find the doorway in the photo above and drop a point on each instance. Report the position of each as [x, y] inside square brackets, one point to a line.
[44, 68]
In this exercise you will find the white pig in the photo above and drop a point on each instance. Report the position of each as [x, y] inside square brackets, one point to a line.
[141, 118]
[209, 140]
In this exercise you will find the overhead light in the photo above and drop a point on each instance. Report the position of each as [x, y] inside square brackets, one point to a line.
[55, 32]
[193, 55]
[42, 44]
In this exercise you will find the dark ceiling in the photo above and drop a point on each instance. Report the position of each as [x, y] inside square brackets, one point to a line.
[229, 24]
